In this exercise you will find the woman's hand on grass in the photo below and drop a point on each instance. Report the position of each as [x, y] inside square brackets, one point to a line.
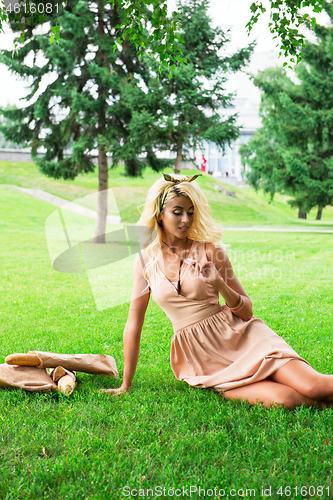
[115, 392]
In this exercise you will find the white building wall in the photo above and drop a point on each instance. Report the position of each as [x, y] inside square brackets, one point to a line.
[246, 104]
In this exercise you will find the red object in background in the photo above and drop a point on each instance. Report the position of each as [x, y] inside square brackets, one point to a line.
[203, 164]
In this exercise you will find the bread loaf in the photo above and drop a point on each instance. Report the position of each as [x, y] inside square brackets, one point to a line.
[66, 385]
[58, 373]
[23, 359]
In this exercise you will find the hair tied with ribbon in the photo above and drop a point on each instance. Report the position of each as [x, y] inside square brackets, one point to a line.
[189, 178]
[170, 178]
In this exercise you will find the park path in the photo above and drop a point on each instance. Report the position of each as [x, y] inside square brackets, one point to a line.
[60, 202]
[279, 229]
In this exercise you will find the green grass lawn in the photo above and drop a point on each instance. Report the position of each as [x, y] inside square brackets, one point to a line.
[246, 208]
[163, 433]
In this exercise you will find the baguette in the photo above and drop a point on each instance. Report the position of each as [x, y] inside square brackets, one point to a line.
[58, 373]
[66, 385]
[23, 359]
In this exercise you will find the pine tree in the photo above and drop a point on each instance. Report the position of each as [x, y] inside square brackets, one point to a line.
[182, 111]
[297, 129]
[81, 109]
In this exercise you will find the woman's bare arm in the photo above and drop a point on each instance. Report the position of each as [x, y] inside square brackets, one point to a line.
[227, 283]
[133, 327]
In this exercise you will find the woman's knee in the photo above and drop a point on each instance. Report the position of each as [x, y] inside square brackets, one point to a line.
[279, 394]
[286, 398]
[313, 389]
[268, 393]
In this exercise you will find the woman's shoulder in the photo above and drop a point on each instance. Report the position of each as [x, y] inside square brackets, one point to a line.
[141, 259]
[216, 253]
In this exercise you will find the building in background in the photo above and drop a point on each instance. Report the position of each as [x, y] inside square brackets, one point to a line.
[228, 164]
[246, 103]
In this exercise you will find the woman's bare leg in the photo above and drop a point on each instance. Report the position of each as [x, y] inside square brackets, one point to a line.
[270, 393]
[304, 379]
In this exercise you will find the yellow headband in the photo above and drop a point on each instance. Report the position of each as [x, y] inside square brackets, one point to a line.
[167, 177]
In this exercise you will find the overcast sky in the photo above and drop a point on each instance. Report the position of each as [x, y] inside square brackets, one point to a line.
[232, 14]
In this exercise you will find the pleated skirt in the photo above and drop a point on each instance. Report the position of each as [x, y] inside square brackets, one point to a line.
[225, 352]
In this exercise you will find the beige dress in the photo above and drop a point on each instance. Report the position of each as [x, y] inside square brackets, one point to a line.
[211, 346]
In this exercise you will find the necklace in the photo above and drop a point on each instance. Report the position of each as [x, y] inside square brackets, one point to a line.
[181, 262]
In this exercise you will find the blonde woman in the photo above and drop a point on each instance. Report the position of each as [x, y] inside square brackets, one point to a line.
[185, 268]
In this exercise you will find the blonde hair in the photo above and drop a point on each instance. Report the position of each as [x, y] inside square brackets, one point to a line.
[203, 227]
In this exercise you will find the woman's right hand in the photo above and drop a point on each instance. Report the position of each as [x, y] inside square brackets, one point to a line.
[115, 392]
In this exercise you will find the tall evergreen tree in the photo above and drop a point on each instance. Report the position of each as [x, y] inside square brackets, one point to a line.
[293, 151]
[187, 108]
[81, 108]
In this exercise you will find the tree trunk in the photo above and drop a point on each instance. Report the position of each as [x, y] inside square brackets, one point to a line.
[131, 167]
[178, 158]
[102, 201]
[301, 215]
[320, 210]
